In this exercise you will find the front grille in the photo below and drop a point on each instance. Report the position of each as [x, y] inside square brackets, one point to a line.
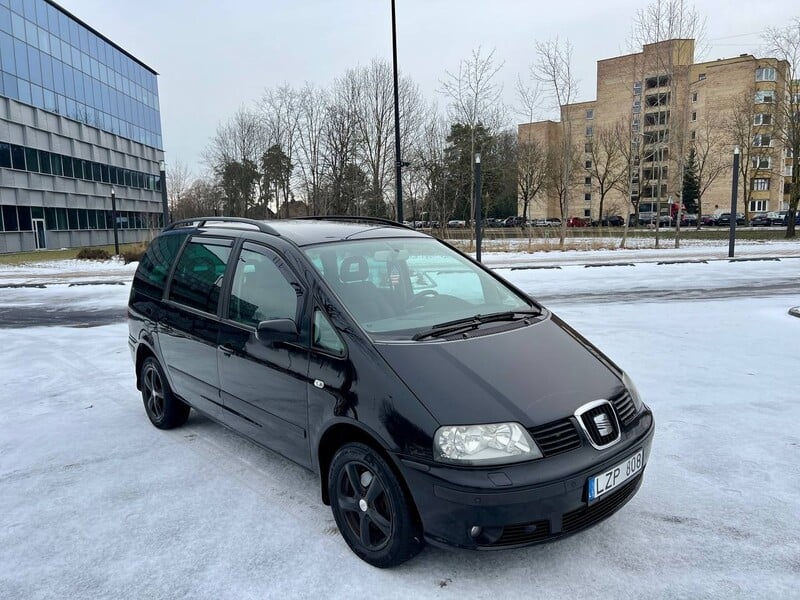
[605, 507]
[524, 533]
[626, 410]
[556, 437]
[610, 425]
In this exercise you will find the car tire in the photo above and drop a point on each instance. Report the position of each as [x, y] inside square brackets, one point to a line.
[164, 410]
[371, 508]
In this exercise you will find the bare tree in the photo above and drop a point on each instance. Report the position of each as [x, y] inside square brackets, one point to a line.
[241, 137]
[312, 105]
[474, 98]
[179, 178]
[338, 149]
[280, 111]
[662, 21]
[553, 69]
[428, 165]
[709, 144]
[784, 43]
[609, 168]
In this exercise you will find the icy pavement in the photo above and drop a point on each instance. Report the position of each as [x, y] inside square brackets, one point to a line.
[96, 503]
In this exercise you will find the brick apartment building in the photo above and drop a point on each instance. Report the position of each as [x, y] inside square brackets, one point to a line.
[656, 105]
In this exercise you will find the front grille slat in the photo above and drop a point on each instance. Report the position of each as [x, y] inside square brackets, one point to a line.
[626, 410]
[539, 531]
[556, 437]
[578, 519]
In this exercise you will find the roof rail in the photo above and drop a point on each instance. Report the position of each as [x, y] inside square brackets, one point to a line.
[352, 219]
[201, 221]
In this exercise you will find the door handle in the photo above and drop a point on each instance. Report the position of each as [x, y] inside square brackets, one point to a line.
[226, 349]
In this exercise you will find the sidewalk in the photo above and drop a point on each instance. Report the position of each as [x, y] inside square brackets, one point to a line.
[694, 253]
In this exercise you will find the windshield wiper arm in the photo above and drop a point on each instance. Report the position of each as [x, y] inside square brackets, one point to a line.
[473, 322]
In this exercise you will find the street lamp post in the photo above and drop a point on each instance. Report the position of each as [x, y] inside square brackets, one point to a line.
[114, 220]
[478, 209]
[397, 161]
[734, 190]
[164, 201]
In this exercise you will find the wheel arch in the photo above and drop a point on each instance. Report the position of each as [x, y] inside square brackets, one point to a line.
[142, 352]
[345, 432]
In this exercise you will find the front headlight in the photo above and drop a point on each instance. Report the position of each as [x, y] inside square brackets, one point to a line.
[498, 443]
[633, 391]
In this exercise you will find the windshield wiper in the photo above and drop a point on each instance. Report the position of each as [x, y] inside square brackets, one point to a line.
[473, 322]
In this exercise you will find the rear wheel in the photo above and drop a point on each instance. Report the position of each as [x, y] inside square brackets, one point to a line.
[163, 409]
[371, 508]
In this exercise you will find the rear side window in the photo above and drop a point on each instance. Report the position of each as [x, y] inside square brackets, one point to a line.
[198, 275]
[151, 276]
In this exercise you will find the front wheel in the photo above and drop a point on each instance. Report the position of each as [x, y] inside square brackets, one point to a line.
[370, 507]
[164, 410]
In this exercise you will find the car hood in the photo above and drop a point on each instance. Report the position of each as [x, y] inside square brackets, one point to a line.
[533, 375]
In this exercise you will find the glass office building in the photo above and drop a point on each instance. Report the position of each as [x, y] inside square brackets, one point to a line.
[78, 116]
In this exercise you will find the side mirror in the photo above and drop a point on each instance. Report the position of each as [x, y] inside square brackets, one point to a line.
[277, 330]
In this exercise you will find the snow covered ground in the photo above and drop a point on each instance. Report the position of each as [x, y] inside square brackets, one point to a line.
[96, 503]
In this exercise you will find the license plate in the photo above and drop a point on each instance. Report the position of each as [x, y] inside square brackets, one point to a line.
[603, 483]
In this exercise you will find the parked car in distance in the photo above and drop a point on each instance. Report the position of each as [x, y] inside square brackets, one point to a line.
[456, 224]
[578, 222]
[688, 220]
[760, 220]
[553, 222]
[492, 222]
[796, 218]
[776, 217]
[514, 222]
[610, 221]
[435, 401]
[708, 220]
[724, 219]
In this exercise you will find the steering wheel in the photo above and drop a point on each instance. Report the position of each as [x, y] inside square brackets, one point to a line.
[418, 299]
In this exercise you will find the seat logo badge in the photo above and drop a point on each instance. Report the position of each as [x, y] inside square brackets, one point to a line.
[604, 426]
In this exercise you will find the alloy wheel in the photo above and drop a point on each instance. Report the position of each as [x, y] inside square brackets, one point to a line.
[365, 505]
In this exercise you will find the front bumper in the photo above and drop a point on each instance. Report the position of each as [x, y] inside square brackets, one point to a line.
[523, 504]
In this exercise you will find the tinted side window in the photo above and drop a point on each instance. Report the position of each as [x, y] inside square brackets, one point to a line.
[151, 276]
[198, 275]
[260, 291]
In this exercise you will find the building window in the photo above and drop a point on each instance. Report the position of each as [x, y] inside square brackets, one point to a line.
[764, 97]
[694, 96]
[762, 119]
[788, 170]
[590, 113]
[587, 196]
[761, 141]
[660, 81]
[589, 131]
[587, 147]
[759, 205]
[694, 116]
[587, 180]
[587, 212]
[766, 74]
[588, 164]
[760, 162]
[759, 184]
[694, 135]
[701, 77]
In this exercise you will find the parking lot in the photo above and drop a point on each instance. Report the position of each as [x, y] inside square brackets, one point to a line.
[99, 504]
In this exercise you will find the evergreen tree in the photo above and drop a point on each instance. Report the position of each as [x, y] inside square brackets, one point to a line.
[691, 183]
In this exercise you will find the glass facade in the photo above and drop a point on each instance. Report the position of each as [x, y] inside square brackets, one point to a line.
[51, 61]
[20, 218]
[21, 158]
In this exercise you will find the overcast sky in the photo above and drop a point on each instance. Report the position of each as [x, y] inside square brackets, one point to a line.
[213, 57]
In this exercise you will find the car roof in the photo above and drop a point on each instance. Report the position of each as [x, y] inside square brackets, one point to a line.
[304, 232]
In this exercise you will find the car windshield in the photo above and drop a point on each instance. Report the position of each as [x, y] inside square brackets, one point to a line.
[398, 287]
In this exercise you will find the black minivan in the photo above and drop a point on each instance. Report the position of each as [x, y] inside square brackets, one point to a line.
[437, 402]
